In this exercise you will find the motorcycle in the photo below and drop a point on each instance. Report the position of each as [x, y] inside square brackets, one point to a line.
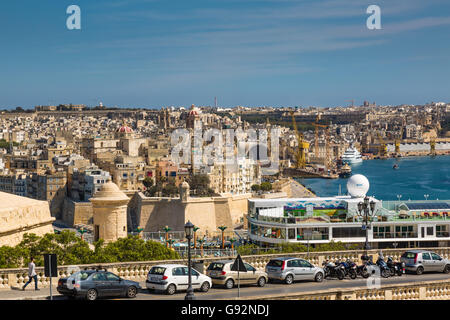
[367, 267]
[332, 270]
[395, 268]
[349, 268]
[384, 269]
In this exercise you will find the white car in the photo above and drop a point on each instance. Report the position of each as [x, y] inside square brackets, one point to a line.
[174, 277]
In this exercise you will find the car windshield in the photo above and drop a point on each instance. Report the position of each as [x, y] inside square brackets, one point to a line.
[217, 266]
[275, 263]
[409, 255]
[157, 270]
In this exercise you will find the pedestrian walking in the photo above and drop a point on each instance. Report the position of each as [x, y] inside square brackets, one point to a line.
[31, 275]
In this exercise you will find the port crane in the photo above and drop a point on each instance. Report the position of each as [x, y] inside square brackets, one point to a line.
[433, 146]
[383, 147]
[303, 146]
[398, 142]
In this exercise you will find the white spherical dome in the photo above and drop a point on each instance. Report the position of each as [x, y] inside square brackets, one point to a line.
[357, 186]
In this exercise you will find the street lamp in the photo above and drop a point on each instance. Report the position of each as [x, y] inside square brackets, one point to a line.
[366, 210]
[426, 196]
[399, 196]
[189, 231]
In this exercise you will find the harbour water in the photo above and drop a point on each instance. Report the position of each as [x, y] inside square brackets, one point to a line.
[414, 178]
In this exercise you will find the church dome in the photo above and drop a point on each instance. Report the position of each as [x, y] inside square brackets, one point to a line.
[110, 192]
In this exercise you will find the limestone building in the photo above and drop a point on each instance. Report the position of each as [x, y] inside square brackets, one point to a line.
[20, 215]
[109, 206]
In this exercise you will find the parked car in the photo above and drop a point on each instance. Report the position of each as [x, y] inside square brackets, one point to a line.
[92, 284]
[222, 275]
[289, 269]
[174, 277]
[420, 261]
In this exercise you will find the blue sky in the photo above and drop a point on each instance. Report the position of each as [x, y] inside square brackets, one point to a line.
[153, 53]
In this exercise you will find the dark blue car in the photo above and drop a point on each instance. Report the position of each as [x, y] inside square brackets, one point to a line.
[93, 284]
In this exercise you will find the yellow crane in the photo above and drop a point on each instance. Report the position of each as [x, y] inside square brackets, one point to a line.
[383, 147]
[398, 142]
[303, 146]
[433, 146]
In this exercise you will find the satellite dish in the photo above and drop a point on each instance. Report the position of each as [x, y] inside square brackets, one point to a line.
[357, 186]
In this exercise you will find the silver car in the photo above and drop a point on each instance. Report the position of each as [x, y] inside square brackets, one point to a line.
[420, 261]
[289, 269]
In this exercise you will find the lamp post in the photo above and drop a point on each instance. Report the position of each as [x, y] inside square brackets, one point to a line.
[222, 228]
[189, 231]
[366, 210]
[399, 196]
[426, 196]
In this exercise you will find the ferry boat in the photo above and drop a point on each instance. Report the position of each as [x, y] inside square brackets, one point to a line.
[351, 155]
[345, 171]
[272, 222]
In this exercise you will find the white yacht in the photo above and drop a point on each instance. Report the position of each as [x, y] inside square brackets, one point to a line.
[351, 155]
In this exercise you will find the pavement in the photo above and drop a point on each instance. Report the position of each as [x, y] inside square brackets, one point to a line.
[247, 292]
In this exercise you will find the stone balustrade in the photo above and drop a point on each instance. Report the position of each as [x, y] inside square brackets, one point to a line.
[426, 290]
[15, 278]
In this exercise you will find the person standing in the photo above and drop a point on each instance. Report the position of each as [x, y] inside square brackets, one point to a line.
[31, 275]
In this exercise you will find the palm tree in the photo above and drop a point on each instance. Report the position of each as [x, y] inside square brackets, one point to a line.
[166, 229]
[222, 228]
[195, 236]
[232, 240]
[82, 231]
[139, 231]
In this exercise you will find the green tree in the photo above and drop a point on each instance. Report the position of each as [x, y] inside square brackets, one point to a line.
[256, 187]
[266, 186]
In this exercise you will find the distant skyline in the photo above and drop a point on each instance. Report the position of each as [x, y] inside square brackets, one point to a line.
[156, 53]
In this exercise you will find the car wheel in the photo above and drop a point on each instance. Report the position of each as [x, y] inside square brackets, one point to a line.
[289, 279]
[447, 268]
[419, 270]
[261, 282]
[91, 295]
[131, 292]
[318, 277]
[205, 287]
[229, 284]
[171, 289]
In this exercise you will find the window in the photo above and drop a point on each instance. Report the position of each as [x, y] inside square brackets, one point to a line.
[426, 256]
[249, 267]
[430, 231]
[435, 256]
[304, 264]
[352, 232]
[292, 263]
[217, 266]
[178, 271]
[157, 270]
[274, 263]
[112, 277]
[99, 276]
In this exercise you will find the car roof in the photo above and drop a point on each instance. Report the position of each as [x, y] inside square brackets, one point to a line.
[223, 261]
[285, 258]
[169, 265]
[418, 251]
